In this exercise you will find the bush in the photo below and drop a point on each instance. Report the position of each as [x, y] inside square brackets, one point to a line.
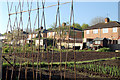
[7, 49]
[88, 50]
[104, 50]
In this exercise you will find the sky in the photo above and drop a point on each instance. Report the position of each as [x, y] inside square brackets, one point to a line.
[84, 12]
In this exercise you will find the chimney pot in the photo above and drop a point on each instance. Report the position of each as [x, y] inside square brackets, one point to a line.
[64, 24]
[107, 20]
[8, 31]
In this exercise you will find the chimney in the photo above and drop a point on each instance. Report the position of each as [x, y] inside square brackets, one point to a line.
[41, 27]
[21, 29]
[107, 20]
[8, 31]
[64, 24]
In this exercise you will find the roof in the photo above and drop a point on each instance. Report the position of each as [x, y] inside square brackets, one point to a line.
[100, 39]
[50, 30]
[75, 29]
[70, 28]
[25, 32]
[104, 25]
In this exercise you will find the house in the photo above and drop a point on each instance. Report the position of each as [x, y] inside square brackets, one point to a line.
[16, 37]
[109, 30]
[65, 36]
[2, 37]
[32, 35]
[42, 35]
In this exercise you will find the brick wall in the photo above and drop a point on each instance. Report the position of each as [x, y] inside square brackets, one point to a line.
[78, 35]
[100, 34]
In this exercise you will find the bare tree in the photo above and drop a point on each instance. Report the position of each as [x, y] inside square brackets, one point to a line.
[97, 20]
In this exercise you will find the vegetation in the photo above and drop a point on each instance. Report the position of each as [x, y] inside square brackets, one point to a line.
[97, 20]
[68, 63]
[76, 25]
[19, 48]
[104, 50]
[113, 71]
[89, 50]
[84, 26]
[104, 69]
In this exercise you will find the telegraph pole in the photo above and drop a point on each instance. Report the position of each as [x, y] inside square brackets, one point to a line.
[0, 60]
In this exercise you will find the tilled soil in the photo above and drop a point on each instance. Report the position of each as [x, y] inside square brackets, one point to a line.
[80, 56]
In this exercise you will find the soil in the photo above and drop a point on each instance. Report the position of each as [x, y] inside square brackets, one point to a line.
[80, 56]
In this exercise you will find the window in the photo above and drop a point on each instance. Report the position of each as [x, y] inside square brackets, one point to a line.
[49, 33]
[105, 30]
[95, 31]
[53, 33]
[115, 29]
[97, 42]
[87, 32]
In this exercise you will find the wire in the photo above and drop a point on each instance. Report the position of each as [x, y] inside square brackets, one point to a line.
[39, 8]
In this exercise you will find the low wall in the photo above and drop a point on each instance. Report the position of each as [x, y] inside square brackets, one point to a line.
[70, 45]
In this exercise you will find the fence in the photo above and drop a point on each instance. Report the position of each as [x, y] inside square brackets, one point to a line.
[24, 57]
[24, 60]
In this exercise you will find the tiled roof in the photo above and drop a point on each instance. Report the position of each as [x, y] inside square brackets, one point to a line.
[75, 29]
[70, 28]
[104, 25]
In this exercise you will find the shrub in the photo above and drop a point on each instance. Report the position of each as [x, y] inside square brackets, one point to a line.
[104, 50]
[7, 49]
[89, 50]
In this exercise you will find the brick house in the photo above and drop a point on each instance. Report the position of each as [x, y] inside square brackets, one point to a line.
[66, 36]
[32, 35]
[78, 33]
[108, 29]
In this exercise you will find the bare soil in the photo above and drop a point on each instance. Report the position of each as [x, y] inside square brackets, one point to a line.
[80, 75]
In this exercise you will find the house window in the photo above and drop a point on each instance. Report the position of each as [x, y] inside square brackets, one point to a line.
[95, 31]
[49, 34]
[105, 30]
[97, 42]
[115, 29]
[53, 33]
[87, 32]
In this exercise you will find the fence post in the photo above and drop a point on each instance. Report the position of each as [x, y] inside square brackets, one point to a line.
[0, 60]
